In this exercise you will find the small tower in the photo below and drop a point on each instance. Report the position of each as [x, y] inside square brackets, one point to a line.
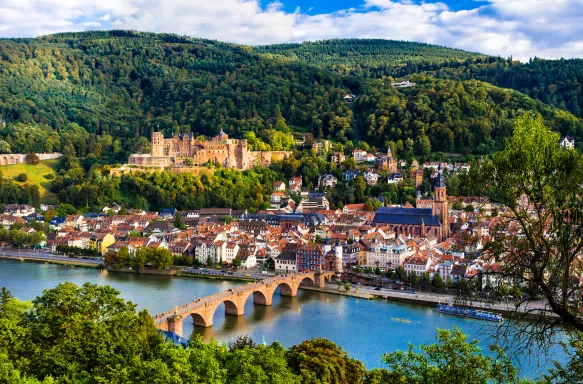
[157, 144]
[440, 204]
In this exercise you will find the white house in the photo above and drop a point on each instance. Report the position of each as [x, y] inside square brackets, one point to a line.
[372, 178]
[395, 178]
[567, 142]
[359, 155]
[327, 180]
[20, 210]
[286, 261]
[231, 251]
[417, 264]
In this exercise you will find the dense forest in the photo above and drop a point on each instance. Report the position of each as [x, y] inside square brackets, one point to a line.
[555, 82]
[102, 93]
[363, 57]
[448, 115]
[126, 84]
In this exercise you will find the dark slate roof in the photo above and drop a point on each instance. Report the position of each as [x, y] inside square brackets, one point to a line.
[287, 255]
[406, 216]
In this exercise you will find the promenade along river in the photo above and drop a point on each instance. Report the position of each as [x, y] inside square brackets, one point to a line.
[364, 328]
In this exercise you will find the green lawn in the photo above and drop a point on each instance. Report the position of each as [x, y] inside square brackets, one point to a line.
[36, 175]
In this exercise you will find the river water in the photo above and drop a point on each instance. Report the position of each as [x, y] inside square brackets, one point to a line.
[364, 328]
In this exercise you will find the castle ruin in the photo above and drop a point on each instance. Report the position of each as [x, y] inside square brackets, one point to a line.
[232, 153]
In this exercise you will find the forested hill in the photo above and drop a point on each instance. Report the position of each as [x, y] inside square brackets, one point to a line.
[374, 53]
[102, 93]
[555, 82]
[124, 84]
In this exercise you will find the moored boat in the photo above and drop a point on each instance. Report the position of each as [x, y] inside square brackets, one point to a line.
[449, 309]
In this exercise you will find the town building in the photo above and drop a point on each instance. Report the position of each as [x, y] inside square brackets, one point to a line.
[567, 142]
[327, 181]
[419, 222]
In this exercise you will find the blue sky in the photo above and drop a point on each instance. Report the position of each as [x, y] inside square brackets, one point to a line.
[518, 28]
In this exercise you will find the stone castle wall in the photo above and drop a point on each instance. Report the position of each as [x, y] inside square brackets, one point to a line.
[19, 158]
[220, 149]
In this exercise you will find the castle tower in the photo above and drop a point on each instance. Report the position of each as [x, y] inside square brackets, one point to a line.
[157, 144]
[440, 206]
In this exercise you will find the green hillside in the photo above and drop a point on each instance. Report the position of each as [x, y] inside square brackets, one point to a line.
[448, 116]
[362, 53]
[36, 175]
[99, 95]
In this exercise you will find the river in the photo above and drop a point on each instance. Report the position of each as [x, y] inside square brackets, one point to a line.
[362, 327]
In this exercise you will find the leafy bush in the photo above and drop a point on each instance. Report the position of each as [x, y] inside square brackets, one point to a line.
[23, 177]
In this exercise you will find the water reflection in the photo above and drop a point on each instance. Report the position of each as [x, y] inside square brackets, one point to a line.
[363, 328]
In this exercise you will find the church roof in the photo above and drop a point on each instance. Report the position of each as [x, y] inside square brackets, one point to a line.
[406, 216]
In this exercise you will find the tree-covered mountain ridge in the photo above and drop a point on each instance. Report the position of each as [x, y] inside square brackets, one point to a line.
[102, 93]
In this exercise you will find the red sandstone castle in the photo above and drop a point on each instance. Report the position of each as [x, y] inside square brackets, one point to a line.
[220, 149]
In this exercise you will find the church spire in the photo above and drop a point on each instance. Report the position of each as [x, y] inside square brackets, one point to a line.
[440, 182]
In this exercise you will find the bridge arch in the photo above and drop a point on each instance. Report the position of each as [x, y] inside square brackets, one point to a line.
[286, 289]
[231, 307]
[199, 321]
[261, 298]
[308, 280]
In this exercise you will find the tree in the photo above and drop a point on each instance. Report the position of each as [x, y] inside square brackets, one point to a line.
[346, 287]
[237, 262]
[178, 222]
[539, 185]
[22, 177]
[323, 362]
[101, 332]
[209, 261]
[4, 147]
[400, 272]
[269, 264]
[425, 279]
[161, 258]
[451, 357]
[142, 257]
[241, 342]
[437, 280]
[259, 364]
[31, 158]
[414, 279]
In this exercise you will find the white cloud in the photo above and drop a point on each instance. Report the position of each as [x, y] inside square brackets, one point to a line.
[522, 28]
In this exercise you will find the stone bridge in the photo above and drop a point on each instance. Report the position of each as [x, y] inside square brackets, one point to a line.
[202, 310]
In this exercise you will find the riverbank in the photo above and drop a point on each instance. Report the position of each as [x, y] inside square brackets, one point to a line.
[358, 295]
[50, 259]
[432, 299]
[215, 277]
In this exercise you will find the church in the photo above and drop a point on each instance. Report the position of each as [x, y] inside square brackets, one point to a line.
[419, 222]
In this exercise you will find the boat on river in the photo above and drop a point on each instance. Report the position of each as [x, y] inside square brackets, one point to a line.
[449, 309]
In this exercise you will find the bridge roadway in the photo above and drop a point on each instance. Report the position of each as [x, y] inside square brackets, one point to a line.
[202, 310]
